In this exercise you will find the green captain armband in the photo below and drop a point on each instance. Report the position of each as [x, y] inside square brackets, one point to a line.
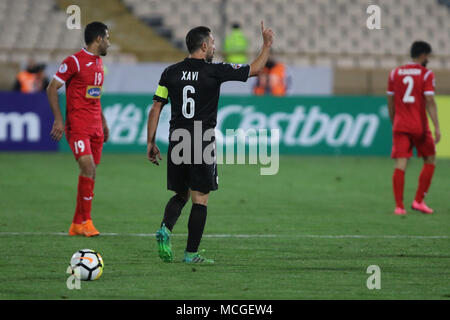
[162, 92]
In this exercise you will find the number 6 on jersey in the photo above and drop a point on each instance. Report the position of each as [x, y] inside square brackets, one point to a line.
[187, 100]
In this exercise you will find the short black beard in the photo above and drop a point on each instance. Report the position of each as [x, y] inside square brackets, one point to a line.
[424, 64]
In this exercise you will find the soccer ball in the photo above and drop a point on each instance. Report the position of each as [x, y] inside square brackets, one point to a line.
[87, 264]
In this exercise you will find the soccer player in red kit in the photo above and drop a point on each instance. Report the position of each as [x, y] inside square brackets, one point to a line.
[410, 96]
[85, 127]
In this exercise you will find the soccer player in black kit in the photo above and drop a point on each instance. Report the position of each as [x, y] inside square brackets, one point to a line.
[193, 87]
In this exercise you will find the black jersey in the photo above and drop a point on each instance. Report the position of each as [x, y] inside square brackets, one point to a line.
[193, 88]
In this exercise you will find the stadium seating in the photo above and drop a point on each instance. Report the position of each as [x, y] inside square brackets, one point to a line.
[325, 31]
[329, 33]
[32, 29]
[322, 31]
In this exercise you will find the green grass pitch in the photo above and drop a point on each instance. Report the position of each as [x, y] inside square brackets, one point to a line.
[293, 222]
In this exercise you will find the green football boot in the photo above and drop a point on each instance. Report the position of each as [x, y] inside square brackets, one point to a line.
[195, 257]
[164, 245]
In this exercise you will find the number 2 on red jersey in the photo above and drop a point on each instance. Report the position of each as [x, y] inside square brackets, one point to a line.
[407, 97]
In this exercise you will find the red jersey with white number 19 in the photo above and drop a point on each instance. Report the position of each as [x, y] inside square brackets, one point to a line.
[82, 73]
[409, 84]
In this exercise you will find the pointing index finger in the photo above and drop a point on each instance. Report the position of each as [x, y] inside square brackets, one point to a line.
[262, 26]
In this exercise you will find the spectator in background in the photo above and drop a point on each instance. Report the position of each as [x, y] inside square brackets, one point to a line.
[236, 46]
[272, 80]
[25, 78]
[32, 79]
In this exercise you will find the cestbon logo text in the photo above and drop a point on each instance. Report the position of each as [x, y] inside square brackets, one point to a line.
[305, 127]
[301, 127]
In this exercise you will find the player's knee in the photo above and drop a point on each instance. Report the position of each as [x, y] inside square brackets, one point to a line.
[87, 166]
[401, 163]
[430, 160]
[88, 170]
[203, 202]
[88, 173]
[200, 198]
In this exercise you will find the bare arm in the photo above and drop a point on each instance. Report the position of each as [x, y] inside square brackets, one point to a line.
[390, 99]
[153, 118]
[432, 111]
[52, 94]
[259, 63]
[105, 129]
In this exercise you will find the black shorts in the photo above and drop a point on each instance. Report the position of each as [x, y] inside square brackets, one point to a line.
[197, 177]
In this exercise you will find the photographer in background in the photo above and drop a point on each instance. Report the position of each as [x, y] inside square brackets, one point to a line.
[272, 80]
[32, 79]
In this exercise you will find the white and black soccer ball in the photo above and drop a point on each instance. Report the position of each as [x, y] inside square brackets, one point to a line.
[87, 264]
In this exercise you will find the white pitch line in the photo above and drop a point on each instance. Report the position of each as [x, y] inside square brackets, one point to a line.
[248, 236]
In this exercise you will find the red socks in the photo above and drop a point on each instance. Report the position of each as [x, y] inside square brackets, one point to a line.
[78, 217]
[398, 183]
[84, 199]
[424, 181]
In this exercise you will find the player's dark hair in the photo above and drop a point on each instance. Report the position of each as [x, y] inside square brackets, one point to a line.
[420, 47]
[93, 30]
[196, 37]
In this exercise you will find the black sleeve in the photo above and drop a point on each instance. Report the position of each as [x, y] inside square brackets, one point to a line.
[161, 93]
[232, 72]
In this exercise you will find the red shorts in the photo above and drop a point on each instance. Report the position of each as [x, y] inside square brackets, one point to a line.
[86, 144]
[403, 143]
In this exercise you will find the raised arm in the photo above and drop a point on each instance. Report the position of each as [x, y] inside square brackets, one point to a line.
[259, 63]
[432, 111]
[153, 153]
[52, 94]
